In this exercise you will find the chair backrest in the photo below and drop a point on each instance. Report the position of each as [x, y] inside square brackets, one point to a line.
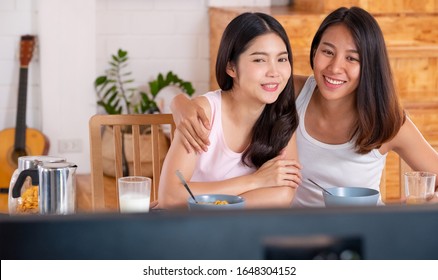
[119, 124]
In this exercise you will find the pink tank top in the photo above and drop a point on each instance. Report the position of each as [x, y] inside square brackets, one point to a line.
[219, 162]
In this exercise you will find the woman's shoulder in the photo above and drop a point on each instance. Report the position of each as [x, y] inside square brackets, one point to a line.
[209, 101]
[299, 82]
[214, 96]
[405, 137]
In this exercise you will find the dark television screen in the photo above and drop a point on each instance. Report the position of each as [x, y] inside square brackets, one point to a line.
[366, 233]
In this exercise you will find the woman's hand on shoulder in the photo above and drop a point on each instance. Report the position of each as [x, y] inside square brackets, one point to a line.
[192, 122]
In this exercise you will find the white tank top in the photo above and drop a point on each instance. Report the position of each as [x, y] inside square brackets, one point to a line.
[219, 162]
[330, 165]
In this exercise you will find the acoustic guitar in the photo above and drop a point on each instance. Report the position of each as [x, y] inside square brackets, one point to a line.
[20, 141]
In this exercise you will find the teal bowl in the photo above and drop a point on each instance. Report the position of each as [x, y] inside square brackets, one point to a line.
[351, 196]
[207, 202]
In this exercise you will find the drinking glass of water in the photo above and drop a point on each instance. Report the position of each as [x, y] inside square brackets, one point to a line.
[419, 186]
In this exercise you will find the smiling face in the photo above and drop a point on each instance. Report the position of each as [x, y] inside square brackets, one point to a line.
[336, 63]
[262, 70]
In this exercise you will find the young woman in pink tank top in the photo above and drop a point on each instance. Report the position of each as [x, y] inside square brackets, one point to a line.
[253, 151]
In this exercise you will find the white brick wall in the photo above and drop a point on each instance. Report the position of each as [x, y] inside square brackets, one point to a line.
[17, 17]
[160, 35]
[239, 3]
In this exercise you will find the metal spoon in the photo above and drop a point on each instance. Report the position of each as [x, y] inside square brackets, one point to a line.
[184, 182]
[323, 189]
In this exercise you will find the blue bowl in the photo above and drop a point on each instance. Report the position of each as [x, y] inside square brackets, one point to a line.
[351, 196]
[207, 202]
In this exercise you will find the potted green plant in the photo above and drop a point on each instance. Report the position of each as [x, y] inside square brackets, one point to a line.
[116, 95]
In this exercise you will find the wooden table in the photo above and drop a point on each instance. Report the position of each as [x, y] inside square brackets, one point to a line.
[83, 192]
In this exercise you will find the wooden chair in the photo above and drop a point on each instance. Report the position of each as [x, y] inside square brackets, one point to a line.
[120, 123]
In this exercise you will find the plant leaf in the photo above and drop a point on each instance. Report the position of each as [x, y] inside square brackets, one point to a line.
[121, 53]
[100, 80]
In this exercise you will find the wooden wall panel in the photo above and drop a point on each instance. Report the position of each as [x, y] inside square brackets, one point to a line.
[300, 28]
[373, 6]
[425, 117]
[391, 185]
[219, 19]
[416, 79]
[302, 64]
[409, 30]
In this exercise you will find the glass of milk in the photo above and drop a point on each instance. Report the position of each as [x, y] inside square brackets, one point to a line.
[134, 194]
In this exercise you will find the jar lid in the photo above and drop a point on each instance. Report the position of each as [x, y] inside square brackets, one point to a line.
[56, 165]
[28, 162]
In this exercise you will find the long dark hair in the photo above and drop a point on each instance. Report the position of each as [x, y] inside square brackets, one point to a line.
[275, 126]
[380, 115]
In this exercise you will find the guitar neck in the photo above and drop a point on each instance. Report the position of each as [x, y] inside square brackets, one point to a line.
[20, 130]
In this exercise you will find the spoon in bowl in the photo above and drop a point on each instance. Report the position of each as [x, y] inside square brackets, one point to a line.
[184, 182]
[323, 189]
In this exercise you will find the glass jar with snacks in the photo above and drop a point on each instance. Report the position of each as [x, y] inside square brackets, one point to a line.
[27, 202]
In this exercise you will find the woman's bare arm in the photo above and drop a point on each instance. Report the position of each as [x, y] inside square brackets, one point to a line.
[413, 148]
[280, 196]
[275, 172]
[192, 122]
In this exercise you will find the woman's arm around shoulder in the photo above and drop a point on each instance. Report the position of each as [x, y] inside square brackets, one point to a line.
[191, 119]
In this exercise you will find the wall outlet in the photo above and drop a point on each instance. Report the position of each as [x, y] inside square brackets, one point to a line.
[69, 146]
